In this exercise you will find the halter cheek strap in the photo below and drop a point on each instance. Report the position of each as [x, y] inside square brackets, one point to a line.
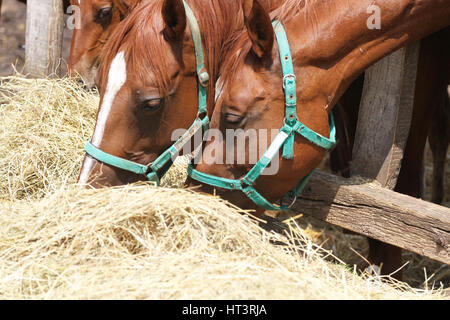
[156, 170]
[285, 138]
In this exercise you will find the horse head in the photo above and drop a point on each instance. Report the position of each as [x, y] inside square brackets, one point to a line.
[152, 84]
[331, 45]
[94, 22]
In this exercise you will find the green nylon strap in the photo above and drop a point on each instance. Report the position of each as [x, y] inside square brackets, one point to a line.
[229, 184]
[289, 85]
[301, 185]
[314, 137]
[203, 76]
[209, 179]
[153, 171]
[262, 202]
[115, 161]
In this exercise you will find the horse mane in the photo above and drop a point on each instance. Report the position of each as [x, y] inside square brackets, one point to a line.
[238, 46]
[291, 8]
[125, 6]
[140, 36]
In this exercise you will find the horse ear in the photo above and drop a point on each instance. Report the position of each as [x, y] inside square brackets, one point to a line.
[174, 18]
[259, 28]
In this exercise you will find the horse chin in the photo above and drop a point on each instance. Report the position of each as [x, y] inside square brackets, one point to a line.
[239, 199]
[86, 74]
[115, 180]
[88, 80]
[98, 175]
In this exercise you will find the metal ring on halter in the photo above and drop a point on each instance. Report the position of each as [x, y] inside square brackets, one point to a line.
[203, 77]
[292, 203]
[290, 75]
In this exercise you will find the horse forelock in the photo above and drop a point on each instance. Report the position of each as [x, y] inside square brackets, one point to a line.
[141, 39]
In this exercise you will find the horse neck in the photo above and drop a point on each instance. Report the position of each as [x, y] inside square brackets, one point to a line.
[272, 4]
[338, 43]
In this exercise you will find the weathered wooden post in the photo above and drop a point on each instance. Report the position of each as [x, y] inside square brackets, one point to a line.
[385, 116]
[44, 35]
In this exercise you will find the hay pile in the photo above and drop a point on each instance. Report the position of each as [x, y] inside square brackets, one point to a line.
[143, 242]
[44, 125]
[58, 241]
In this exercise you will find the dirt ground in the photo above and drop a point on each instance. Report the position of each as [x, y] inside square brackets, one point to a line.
[12, 37]
[12, 51]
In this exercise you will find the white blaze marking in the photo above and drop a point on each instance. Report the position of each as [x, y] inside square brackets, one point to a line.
[86, 169]
[116, 78]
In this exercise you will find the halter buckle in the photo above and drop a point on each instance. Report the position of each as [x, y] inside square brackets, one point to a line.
[203, 77]
[291, 204]
[288, 76]
[245, 183]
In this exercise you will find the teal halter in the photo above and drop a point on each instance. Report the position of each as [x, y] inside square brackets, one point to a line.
[284, 138]
[153, 171]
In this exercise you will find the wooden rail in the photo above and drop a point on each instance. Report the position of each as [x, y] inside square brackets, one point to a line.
[371, 210]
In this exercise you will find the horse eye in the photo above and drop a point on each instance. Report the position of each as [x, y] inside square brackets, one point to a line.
[233, 118]
[151, 104]
[103, 14]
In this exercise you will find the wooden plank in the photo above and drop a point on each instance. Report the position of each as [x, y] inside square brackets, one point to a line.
[43, 40]
[368, 209]
[385, 116]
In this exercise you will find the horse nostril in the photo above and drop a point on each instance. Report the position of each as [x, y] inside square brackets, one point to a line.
[80, 82]
[84, 86]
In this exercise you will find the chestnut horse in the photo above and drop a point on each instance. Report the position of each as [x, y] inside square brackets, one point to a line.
[439, 138]
[98, 19]
[148, 73]
[331, 50]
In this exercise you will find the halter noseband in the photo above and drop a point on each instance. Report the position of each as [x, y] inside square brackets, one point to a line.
[153, 171]
[284, 138]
